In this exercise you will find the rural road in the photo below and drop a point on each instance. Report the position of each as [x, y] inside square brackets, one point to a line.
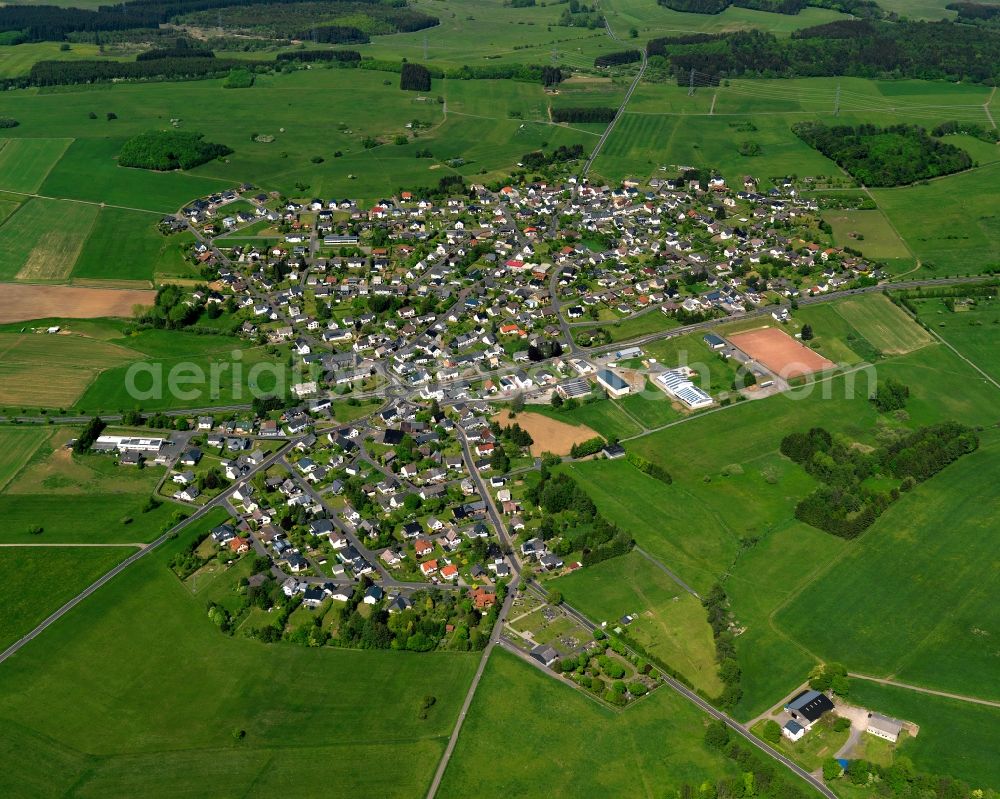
[103, 580]
[671, 574]
[945, 694]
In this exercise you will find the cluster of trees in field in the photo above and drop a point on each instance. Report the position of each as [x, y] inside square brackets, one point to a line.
[562, 153]
[8, 122]
[334, 34]
[843, 505]
[890, 395]
[282, 17]
[976, 12]
[716, 605]
[89, 435]
[891, 156]
[596, 113]
[164, 150]
[859, 48]
[988, 135]
[181, 49]
[551, 76]
[646, 466]
[343, 56]
[414, 78]
[172, 309]
[571, 513]
[620, 57]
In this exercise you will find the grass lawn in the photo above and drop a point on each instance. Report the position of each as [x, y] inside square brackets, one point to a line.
[881, 602]
[819, 744]
[79, 701]
[52, 371]
[42, 239]
[657, 741]
[25, 163]
[36, 581]
[669, 623]
[956, 738]
[125, 245]
[652, 407]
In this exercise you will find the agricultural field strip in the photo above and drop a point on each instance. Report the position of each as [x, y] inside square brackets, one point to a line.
[964, 358]
[84, 202]
[920, 689]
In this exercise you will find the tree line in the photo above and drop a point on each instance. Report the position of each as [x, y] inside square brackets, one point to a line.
[320, 55]
[595, 113]
[858, 48]
[620, 57]
[892, 156]
[52, 73]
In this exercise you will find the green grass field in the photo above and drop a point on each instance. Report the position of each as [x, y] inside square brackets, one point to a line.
[35, 581]
[52, 371]
[125, 245]
[955, 738]
[880, 242]
[881, 612]
[670, 623]
[603, 417]
[17, 445]
[544, 725]
[43, 238]
[19, 59]
[886, 326]
[135, 690]
[972, 331]
[25, 163]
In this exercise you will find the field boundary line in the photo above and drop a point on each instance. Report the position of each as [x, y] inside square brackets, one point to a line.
[986, 107]
[920, 689]
[38, 196]
[668, 571]
[24, 464]
[69, 143]
[64, 546]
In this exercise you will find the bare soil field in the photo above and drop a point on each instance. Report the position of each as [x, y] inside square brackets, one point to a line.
[780, 353]
[550, 435]
[22, 302]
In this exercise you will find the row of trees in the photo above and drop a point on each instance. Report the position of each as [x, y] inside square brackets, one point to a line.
[716, 605]
[988, 135]
[51, 73]
[859, 48]
[892, 156]
[595, 113]
[164, 150]
[647, 466]
[320, 55]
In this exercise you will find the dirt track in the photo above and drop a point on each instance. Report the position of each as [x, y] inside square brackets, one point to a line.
[21, 302]
[780, 353]
[550, 435]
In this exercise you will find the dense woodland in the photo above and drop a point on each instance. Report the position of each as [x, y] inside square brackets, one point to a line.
[415, 78]
[280, 17]
[165, 150]
[594, 113]
[51, 73]
[845, 504]
[344, 56]
[859, 8]
[618, 58]
[892, 156]
[859, 48]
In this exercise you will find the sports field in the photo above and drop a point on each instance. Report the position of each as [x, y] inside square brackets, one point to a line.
[544, 725]
[35, 581]
[780, 353]
[888, 327]
[881, 602]
[669, 623]
[42, 239]
[52, 371]
[24, 302]
[79, 711]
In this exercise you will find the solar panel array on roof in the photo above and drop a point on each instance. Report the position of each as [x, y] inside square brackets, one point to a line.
[679, 385]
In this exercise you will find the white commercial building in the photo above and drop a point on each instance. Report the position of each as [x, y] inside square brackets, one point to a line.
[677, 383]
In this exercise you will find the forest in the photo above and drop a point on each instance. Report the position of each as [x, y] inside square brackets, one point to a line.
[844, 505]
[343, 56]
[51, 23]
[858, 48]
[859, 8]
[586, 114]
[415, 78]
[621, 57]
[51, 73]
[892, 156]
[164, 150]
